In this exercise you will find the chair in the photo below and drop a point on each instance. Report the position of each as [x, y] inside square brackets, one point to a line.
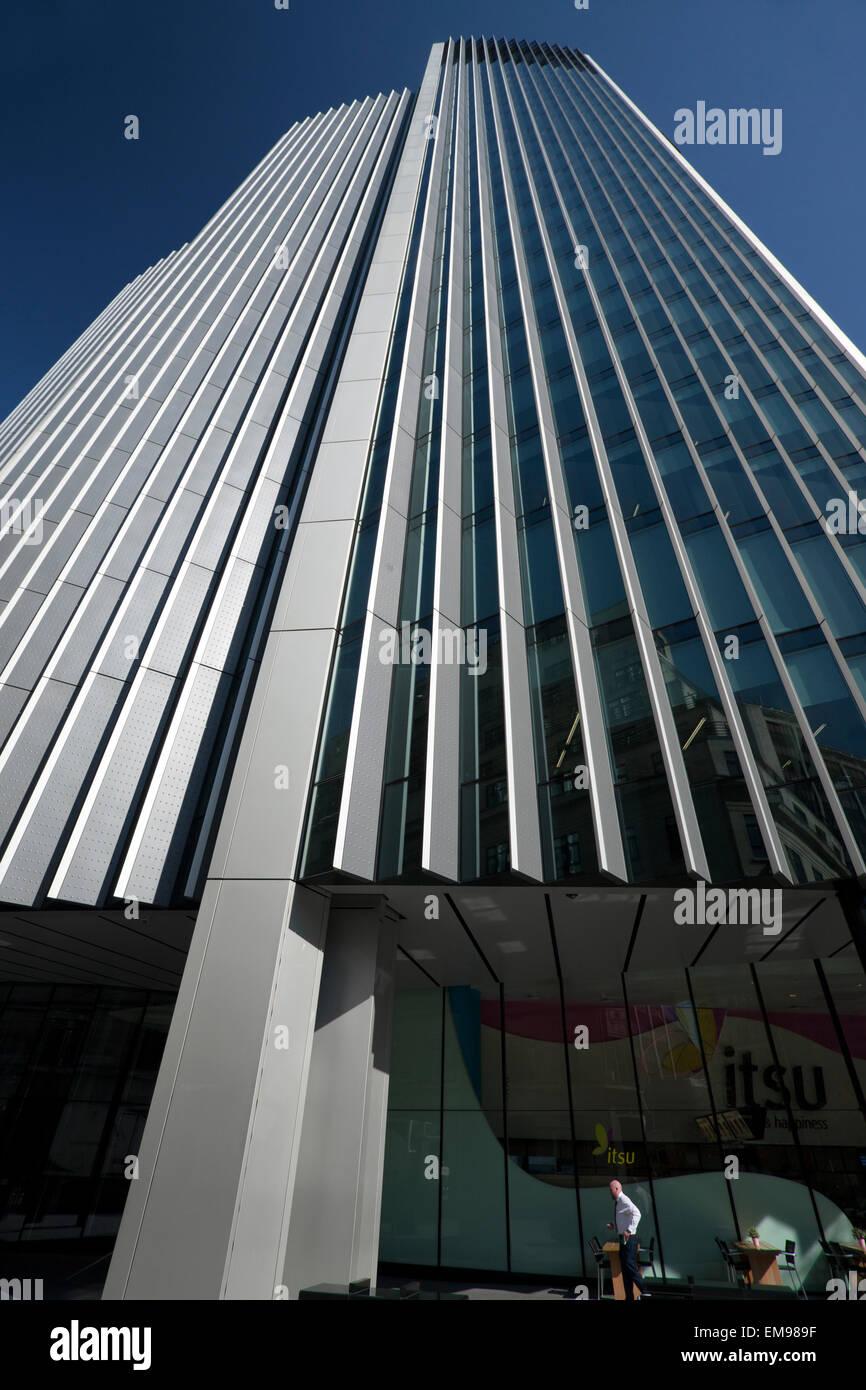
[598, 1252]
[646, 1258]
[846, 1259]
[790, 1266]
[837, 1266]
[723, 1250]
[735, 1261]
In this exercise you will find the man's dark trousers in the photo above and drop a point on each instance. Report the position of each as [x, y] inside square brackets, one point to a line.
[630, 1272]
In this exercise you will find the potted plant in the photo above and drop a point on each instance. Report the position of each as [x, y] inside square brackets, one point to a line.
[756, 1240]
[860, 1237]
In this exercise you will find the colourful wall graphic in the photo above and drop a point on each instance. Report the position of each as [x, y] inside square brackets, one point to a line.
[533, 1201]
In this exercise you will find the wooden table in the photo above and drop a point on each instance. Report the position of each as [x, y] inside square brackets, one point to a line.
[762, 1261]
[612, 1249]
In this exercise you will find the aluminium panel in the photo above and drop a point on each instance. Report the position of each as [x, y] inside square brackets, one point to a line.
[32, 655]
[153, 860]
[29, 853]
[98, 603]
[82, 875]
[17, 617]
[261, 825]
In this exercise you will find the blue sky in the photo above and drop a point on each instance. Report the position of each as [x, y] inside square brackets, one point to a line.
[215, 82]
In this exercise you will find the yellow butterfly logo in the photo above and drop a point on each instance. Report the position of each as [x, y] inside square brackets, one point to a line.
[601, 1139]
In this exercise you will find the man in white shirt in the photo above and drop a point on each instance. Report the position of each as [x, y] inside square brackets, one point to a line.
[626, 1217]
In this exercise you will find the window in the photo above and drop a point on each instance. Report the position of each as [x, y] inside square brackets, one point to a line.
[756, 840]
[797, 865]
[496, 792]
[566, 849]
[497, 859]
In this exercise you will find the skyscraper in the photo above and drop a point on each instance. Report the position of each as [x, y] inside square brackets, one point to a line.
[435, 679]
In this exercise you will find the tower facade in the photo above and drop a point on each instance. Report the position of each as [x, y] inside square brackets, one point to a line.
[436, 659]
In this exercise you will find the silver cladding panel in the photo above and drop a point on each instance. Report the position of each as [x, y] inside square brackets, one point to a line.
[155, 453]
[211, 393]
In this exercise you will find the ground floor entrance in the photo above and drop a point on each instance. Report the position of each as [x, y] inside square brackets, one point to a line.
[717, 1070]
[316, 1085]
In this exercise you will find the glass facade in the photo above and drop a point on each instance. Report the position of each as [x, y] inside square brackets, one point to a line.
[561, 616]
[504, 1132]
[643, 429]
[629, 432]
[79, 1067]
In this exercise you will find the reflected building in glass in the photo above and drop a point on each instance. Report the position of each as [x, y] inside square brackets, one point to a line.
[461, 582]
